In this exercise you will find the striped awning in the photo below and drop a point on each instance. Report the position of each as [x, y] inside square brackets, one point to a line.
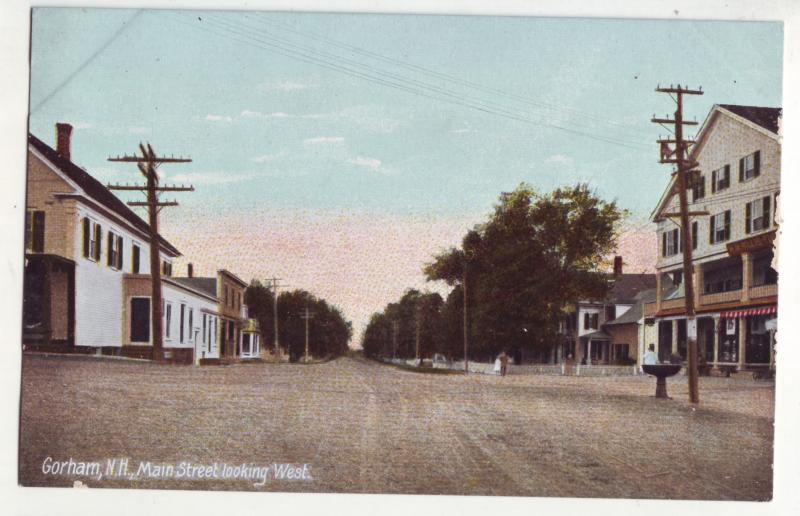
[749, 312]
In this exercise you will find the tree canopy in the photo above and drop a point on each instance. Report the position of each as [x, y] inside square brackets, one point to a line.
[535, 255]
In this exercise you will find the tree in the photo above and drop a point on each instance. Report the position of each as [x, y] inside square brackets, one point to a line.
[536, 254]
[329, 331]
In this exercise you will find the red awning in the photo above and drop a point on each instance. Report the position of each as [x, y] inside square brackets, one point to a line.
[750, 311]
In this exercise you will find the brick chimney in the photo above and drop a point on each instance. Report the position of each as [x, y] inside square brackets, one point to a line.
[190, 270]
[617, 265]
[63, 134]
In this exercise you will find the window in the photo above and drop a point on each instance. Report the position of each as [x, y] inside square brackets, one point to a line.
[670, 242]
[698, 187]
[183, 313]
[750, 166]
[136, 255]
[168, 319]
[140, 319]
[34, 231]
[166, 268]
[191, 325]
[694, 235]
[720, 227]
[763, 273]
[92, 239]
[721, 179]
[724, 279]
[757, 216]
[590, 321]
[114, 256]
[204, 327]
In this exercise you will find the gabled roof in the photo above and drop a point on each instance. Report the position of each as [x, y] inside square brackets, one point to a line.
[766, 117]
[633, 314]
[205, 285]
[627, 287]
[95, 189]
[763, 119]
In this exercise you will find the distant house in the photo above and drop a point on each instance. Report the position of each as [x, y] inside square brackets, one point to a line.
[738, 152]
[237, 336]
[586, 336]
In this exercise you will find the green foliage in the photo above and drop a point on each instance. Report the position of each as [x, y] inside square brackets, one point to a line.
[416, 314]
[329, 332]
[536, 254]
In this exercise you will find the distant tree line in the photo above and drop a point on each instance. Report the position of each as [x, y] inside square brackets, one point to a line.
[535, 255]
[329, 331]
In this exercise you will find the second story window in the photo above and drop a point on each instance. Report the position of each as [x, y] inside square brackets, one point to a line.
[136, 256]
[92, 239]
[720, 227]
[166, 268]
[670, 242]
[34, 231]
[750, 166]
[114, 254]
[721, 179]
[698, 187]
[590, 321]
[757, 216]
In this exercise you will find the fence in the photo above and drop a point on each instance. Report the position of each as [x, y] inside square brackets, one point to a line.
[531, 369]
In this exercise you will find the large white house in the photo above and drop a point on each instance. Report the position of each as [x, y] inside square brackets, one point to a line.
[736, 293]
[87, 284]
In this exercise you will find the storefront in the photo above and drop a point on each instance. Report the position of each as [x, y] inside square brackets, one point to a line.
[747, 337]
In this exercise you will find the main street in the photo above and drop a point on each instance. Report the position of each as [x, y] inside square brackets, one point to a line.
[366, 427]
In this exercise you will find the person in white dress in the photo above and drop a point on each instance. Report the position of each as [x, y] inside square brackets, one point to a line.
[497, 365]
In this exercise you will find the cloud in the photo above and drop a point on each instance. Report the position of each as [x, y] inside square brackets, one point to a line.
[257, 114]
[264, 158]
[559, 158]
[460, 131]
[82, 125]
[137, 130]
[218, 118]
[370, 163]
[287, 86]
[208, 178]
[323, 139]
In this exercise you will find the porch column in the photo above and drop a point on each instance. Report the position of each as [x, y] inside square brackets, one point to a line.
[742, 340]
[698, 283]
[658, 291]
[674, 336]
[771, 348]
[589, 352]
[747, 275]
[716, 339]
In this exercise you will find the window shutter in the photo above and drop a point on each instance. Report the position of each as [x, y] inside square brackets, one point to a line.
[748, 210]
[741, 170]
[756, 163]
[135, 259]
[86, 236]
[98, 250]
[714, 181]
[110, 256]
[586, 321]
[694, 235]
[727, 224]
[766, 216]
[711, 229]
[663, 244]
[120, 252]
[676, 234]
[727, 176]
[38, 232]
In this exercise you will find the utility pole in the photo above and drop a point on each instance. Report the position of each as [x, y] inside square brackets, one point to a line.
[307, 315]
[419, 358]
[275, 287]
[395, 329]
[148, 164]
[684, 167]
[466, 325]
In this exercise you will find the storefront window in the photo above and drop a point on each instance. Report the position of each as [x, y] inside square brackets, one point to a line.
[758, 340]
[729, 340]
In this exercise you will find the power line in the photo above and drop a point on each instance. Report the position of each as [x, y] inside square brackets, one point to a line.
[441, 75]
[86, 63]
[423, 91]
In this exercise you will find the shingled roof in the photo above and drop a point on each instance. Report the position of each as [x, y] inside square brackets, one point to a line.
[766, 117]
[205, 285]
[627, 286]
[95, 189]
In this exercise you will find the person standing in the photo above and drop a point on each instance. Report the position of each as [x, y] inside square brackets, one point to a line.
[650, 357]
[503, 363]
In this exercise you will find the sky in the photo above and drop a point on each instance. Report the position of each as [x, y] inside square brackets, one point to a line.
[341, 152]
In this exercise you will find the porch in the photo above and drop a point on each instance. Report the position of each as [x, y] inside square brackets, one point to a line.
[48, 308]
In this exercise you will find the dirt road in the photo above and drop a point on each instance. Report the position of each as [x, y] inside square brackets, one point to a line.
[365, 427]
